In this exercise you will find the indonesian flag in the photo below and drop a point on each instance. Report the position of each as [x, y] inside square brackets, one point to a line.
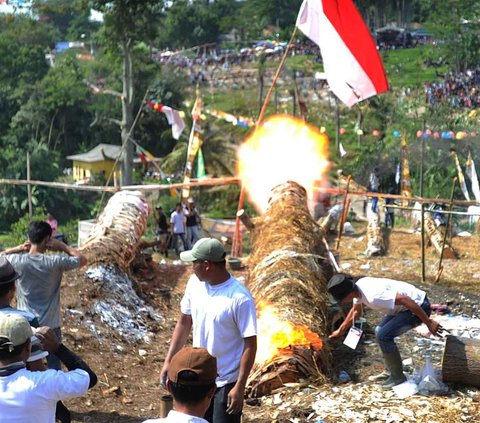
[352, 64]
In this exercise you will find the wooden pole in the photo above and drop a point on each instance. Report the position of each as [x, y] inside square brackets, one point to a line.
[422, 207]
[337, 124]
[449, 218]
[344, 207]
[236, 244]
[422, 240]
[29, 188]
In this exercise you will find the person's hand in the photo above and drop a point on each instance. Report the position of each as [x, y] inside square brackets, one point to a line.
[335, 334]
[434, 327]
[235, 400]
[48, 338]
[163, 375]
[26, 246]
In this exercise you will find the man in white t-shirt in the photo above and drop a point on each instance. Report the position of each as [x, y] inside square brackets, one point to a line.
[177, 223]
[31, 397]
[191, 381]
[223, 316]
[405, 307]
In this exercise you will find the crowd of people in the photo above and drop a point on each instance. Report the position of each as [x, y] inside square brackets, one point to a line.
[208, 380]
[455, 89]
[184, 224]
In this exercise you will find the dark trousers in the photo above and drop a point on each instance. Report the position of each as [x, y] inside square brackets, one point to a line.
[217, 412]
[52, 360]
[395, 325]
[389, 219]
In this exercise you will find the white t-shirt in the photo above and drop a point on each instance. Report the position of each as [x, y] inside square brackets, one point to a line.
[176, 417]
[31, 397]
[178, 221]
[222, 316]
[379, 294]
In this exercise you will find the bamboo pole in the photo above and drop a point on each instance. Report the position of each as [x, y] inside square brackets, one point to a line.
[343, 215]
[449, 218]
[422, 241]
[144, 188]
[29, 188]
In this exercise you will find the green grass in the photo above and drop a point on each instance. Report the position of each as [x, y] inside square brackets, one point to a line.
[406, 68]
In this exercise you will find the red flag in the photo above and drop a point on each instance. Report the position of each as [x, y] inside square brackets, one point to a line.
[352, 64]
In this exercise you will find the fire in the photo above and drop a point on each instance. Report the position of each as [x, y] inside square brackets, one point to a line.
[282, 148]
[275, 334]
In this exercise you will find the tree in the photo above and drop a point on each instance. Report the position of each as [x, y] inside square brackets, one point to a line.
[126, 23]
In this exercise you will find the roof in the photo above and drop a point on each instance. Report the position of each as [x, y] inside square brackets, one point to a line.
[98, 154]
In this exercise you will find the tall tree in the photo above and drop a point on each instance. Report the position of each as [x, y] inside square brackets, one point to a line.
[127, 22]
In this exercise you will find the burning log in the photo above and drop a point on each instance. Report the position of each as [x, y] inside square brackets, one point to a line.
[245, 218]
[288, 280]
[375, 244]
[461, 361]
[117, 233]
[436, 238]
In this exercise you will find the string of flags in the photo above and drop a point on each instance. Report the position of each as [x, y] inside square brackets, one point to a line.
[420, 134]
[234, 120]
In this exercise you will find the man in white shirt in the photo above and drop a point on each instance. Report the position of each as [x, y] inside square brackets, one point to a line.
[223, 316]
[191, 381]
[177, 223]
[405, 307]
[31, 397]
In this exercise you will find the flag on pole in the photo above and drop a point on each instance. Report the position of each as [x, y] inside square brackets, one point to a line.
[200, 165]
[406, 185]
[173, 117]
[472, 174]
[398, 174]
[194, 144]
[352, 64]
[461, 178]
[343, 152]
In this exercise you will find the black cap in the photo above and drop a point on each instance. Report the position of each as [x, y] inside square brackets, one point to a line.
[7, 272]
[340, 285]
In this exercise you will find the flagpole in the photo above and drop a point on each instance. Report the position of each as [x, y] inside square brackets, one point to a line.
[237, 237]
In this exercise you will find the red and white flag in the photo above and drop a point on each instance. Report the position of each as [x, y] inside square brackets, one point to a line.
[352, 64]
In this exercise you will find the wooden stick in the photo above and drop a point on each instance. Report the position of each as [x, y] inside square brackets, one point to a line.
[245, 218]
[422, 241]
[343, 215]
[29, 188]
[449, 218]
[275, 79]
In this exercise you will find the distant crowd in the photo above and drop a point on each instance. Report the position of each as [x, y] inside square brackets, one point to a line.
[455, 89]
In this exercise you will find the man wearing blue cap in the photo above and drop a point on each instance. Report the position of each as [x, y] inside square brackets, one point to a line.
[223, 316]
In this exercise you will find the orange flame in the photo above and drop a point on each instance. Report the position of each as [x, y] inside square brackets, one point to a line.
[282, 148]
[275, 334]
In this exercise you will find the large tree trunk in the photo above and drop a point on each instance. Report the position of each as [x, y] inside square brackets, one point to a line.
[127, 112]
[288, 273]
[461, 361]
[115, 237]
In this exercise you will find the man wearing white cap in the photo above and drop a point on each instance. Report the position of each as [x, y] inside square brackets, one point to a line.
[31, 397]
[223, 316]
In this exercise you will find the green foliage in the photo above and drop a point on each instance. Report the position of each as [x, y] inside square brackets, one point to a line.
[18, 233]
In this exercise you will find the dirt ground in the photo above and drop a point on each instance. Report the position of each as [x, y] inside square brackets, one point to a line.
[129, 389]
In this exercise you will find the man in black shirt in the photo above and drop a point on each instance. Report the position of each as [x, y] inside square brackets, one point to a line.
[162, 230]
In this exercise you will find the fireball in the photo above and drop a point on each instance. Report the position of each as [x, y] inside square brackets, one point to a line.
[283, 148]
